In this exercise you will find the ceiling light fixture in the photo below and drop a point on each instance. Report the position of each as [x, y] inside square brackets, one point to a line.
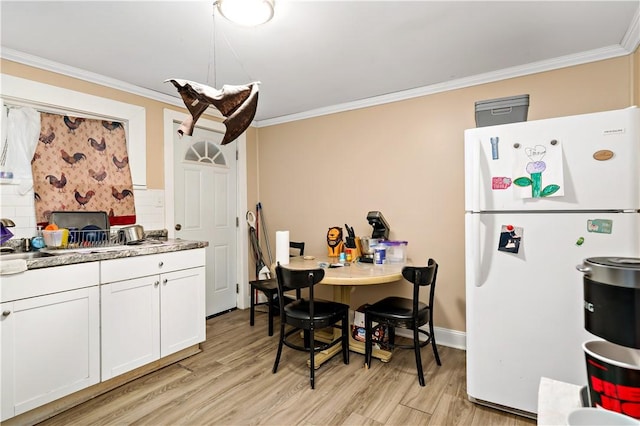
[246, 12]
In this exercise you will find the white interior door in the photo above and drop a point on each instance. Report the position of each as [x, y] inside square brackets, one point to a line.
[205, 192]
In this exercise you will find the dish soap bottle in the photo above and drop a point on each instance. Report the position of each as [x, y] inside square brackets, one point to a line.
[37, 242]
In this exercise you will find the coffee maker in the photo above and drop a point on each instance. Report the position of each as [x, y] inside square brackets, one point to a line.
[380, 225]
[612, 312]
[380, 233]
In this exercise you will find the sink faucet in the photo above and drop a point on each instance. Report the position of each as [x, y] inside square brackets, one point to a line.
[7, 223]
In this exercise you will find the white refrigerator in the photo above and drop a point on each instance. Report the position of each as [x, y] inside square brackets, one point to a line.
[540, 197]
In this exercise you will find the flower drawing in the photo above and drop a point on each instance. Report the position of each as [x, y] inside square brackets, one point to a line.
[535, 168]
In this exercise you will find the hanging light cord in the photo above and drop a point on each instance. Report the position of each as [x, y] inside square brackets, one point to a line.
[235, 55]
[211, 66]
[211, 69]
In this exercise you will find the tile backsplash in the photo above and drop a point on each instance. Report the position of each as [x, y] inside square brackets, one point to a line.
[19, 208]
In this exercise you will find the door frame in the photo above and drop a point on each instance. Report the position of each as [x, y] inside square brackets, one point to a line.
[242, 233]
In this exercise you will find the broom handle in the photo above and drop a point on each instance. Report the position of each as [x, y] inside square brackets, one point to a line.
[265, 233]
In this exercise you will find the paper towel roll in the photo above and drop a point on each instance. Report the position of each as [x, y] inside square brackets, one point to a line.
[282, 247]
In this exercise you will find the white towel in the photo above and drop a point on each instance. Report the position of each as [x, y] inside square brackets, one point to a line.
[12, 266]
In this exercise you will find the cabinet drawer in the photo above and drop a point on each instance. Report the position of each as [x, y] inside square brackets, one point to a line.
[140, 266]
[38, 282]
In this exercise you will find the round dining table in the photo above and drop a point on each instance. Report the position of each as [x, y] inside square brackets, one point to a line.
[344, 279]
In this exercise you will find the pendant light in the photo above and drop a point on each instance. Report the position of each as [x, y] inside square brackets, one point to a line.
[246, 12]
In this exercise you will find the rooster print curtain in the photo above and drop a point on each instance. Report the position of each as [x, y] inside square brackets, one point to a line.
[82, 165]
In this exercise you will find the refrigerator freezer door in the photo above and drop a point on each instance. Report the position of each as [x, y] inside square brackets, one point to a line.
[599, 161]
[525, 310]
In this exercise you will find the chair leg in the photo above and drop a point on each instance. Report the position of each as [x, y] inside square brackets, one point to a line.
[312, 352]
[433, 344]
[280, 343]
[252, 312]
[270, 320]
[305, 339]
[416, 348]
[367, 340]
[345, 339]
[392, 336]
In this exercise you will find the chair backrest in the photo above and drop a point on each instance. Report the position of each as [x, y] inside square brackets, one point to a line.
[298, 278]
[422, 276]
[291, 279]
[296, 246]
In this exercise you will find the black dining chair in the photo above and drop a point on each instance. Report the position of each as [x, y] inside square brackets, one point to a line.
[270, 289]
[308, 315]
[406, 313]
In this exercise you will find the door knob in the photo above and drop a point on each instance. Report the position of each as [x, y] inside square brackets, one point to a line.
[178, 227]
[6, 313]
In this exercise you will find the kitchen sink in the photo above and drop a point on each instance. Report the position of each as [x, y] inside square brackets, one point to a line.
[24, 256]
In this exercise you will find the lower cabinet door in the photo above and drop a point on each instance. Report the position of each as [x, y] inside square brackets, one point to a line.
[50, 348]
[182, 299]
[130, 325]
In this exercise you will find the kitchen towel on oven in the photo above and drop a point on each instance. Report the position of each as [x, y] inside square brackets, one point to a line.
[82, 164]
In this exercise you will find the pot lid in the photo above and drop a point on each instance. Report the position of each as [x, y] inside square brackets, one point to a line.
[613, 270]
[617, 262]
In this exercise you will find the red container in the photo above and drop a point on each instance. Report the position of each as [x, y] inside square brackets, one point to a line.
[613, 373]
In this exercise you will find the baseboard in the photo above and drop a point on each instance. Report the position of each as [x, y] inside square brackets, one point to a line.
[444, 336]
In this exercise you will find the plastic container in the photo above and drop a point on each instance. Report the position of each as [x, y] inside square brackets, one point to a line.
[507, 110]
[613, 376]
[56, 239]
[37, 242]
[379, 255]
[396, 251]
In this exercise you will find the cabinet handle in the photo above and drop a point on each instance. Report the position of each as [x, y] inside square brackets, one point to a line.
[156, 284]
[6, 313]
[165, 281]
[161, 264]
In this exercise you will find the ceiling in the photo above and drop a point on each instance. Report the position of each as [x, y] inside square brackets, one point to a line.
[314, 57]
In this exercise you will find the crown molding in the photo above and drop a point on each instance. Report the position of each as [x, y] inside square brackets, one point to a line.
[91, 77]
[631, 39]
[628, 45]
[512, 72]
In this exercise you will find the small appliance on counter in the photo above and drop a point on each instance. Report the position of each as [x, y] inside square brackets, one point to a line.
[368, 250]
[380, 225]
[380, 233]
[611, 311]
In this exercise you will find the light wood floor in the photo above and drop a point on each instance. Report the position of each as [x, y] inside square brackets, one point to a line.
[230, 383]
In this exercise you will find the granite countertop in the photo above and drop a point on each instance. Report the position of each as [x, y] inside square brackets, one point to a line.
[71, 256]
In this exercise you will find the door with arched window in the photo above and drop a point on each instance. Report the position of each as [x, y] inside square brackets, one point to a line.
[205, 194]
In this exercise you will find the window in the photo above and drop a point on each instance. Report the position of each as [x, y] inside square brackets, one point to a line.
[205, 152]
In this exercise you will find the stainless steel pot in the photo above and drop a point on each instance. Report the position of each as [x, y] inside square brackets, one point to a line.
[131, 234]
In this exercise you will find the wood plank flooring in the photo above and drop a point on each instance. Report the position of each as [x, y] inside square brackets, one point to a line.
[230, 383]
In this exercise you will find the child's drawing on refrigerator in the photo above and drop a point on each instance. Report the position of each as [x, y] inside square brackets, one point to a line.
[543, 164]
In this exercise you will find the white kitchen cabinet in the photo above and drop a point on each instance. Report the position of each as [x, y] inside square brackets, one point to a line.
[152, 306]
[50, 334]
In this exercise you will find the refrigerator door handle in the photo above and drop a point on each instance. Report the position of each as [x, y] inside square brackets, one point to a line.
[472, 174]
[473, 248]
